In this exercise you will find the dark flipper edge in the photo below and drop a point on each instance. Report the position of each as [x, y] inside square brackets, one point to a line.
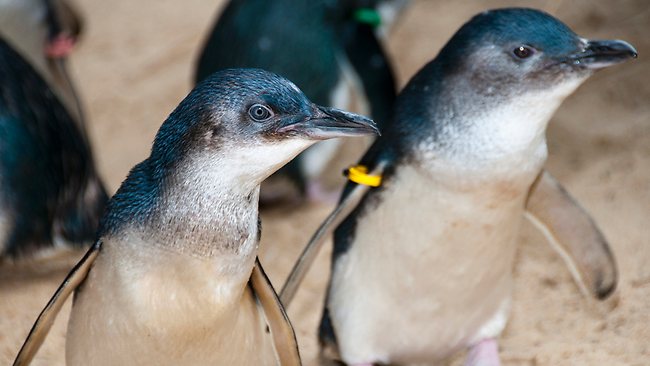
[306, 259]
[574, 235]
[45, 320]
[282, 332]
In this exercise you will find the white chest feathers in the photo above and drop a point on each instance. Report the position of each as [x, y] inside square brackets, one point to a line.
[147, 305]
[429, 269]
[496, 137]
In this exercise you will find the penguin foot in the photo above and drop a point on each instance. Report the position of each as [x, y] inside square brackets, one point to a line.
[484, 353]
[317, 193]
[59, 47]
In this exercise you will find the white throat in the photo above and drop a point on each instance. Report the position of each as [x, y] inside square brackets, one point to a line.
[505, 136]
[209, 206]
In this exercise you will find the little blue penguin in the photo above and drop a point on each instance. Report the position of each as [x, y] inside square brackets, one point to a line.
[173, 277]
[422, 267]
[50, 193]
[44, 33]
[330, 48]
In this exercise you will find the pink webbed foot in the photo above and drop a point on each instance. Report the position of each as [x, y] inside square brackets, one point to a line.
[59, 47]
[484, 353]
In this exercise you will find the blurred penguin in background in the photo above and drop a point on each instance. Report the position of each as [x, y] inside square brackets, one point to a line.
[330, 48]
[44, 33]
[50, 194]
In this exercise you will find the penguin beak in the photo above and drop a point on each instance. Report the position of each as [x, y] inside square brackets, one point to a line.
[326, 123]
[598, 54]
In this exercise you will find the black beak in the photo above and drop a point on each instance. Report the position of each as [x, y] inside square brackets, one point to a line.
[602, 53]
[327, 123]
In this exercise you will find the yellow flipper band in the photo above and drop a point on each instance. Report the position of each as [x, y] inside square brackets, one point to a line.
[359, 174]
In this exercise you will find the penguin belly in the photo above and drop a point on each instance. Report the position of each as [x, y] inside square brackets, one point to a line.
[167, 311]
[429, 268]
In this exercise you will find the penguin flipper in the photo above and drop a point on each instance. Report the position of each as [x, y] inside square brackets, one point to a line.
[350, 200]
[44, 322]
[574, 235]
[284, 338]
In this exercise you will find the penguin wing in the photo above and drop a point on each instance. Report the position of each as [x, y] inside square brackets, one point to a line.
[45, 320]
[282, 332]
[573, 234]
[381, 159]
[349, 201]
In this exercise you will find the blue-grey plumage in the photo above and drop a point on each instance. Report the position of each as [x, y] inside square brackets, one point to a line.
[322, 48]
[179, 239]
[423, 265]
[50, 193]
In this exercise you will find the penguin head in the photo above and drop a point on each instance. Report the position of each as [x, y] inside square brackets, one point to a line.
[527, 50]
[252, 119]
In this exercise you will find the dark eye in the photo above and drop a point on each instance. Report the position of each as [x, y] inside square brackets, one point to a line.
[523, 51]
[259, 112]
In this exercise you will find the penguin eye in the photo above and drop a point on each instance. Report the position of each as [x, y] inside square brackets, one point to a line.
[523, 51]
[259, 112]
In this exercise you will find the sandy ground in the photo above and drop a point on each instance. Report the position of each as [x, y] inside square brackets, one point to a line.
[134, 66]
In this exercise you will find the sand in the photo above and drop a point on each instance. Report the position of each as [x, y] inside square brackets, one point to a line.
[135, 64]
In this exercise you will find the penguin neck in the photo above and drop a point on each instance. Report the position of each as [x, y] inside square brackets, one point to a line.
[207, 209]
[491, 131]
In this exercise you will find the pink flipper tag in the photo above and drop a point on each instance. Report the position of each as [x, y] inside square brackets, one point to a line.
[60, 47]
[484, 353]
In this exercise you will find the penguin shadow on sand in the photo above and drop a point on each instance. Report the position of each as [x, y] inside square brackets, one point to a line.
[51, 197]
[333, 51]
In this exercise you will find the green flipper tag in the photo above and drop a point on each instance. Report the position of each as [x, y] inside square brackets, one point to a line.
[367, 16]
